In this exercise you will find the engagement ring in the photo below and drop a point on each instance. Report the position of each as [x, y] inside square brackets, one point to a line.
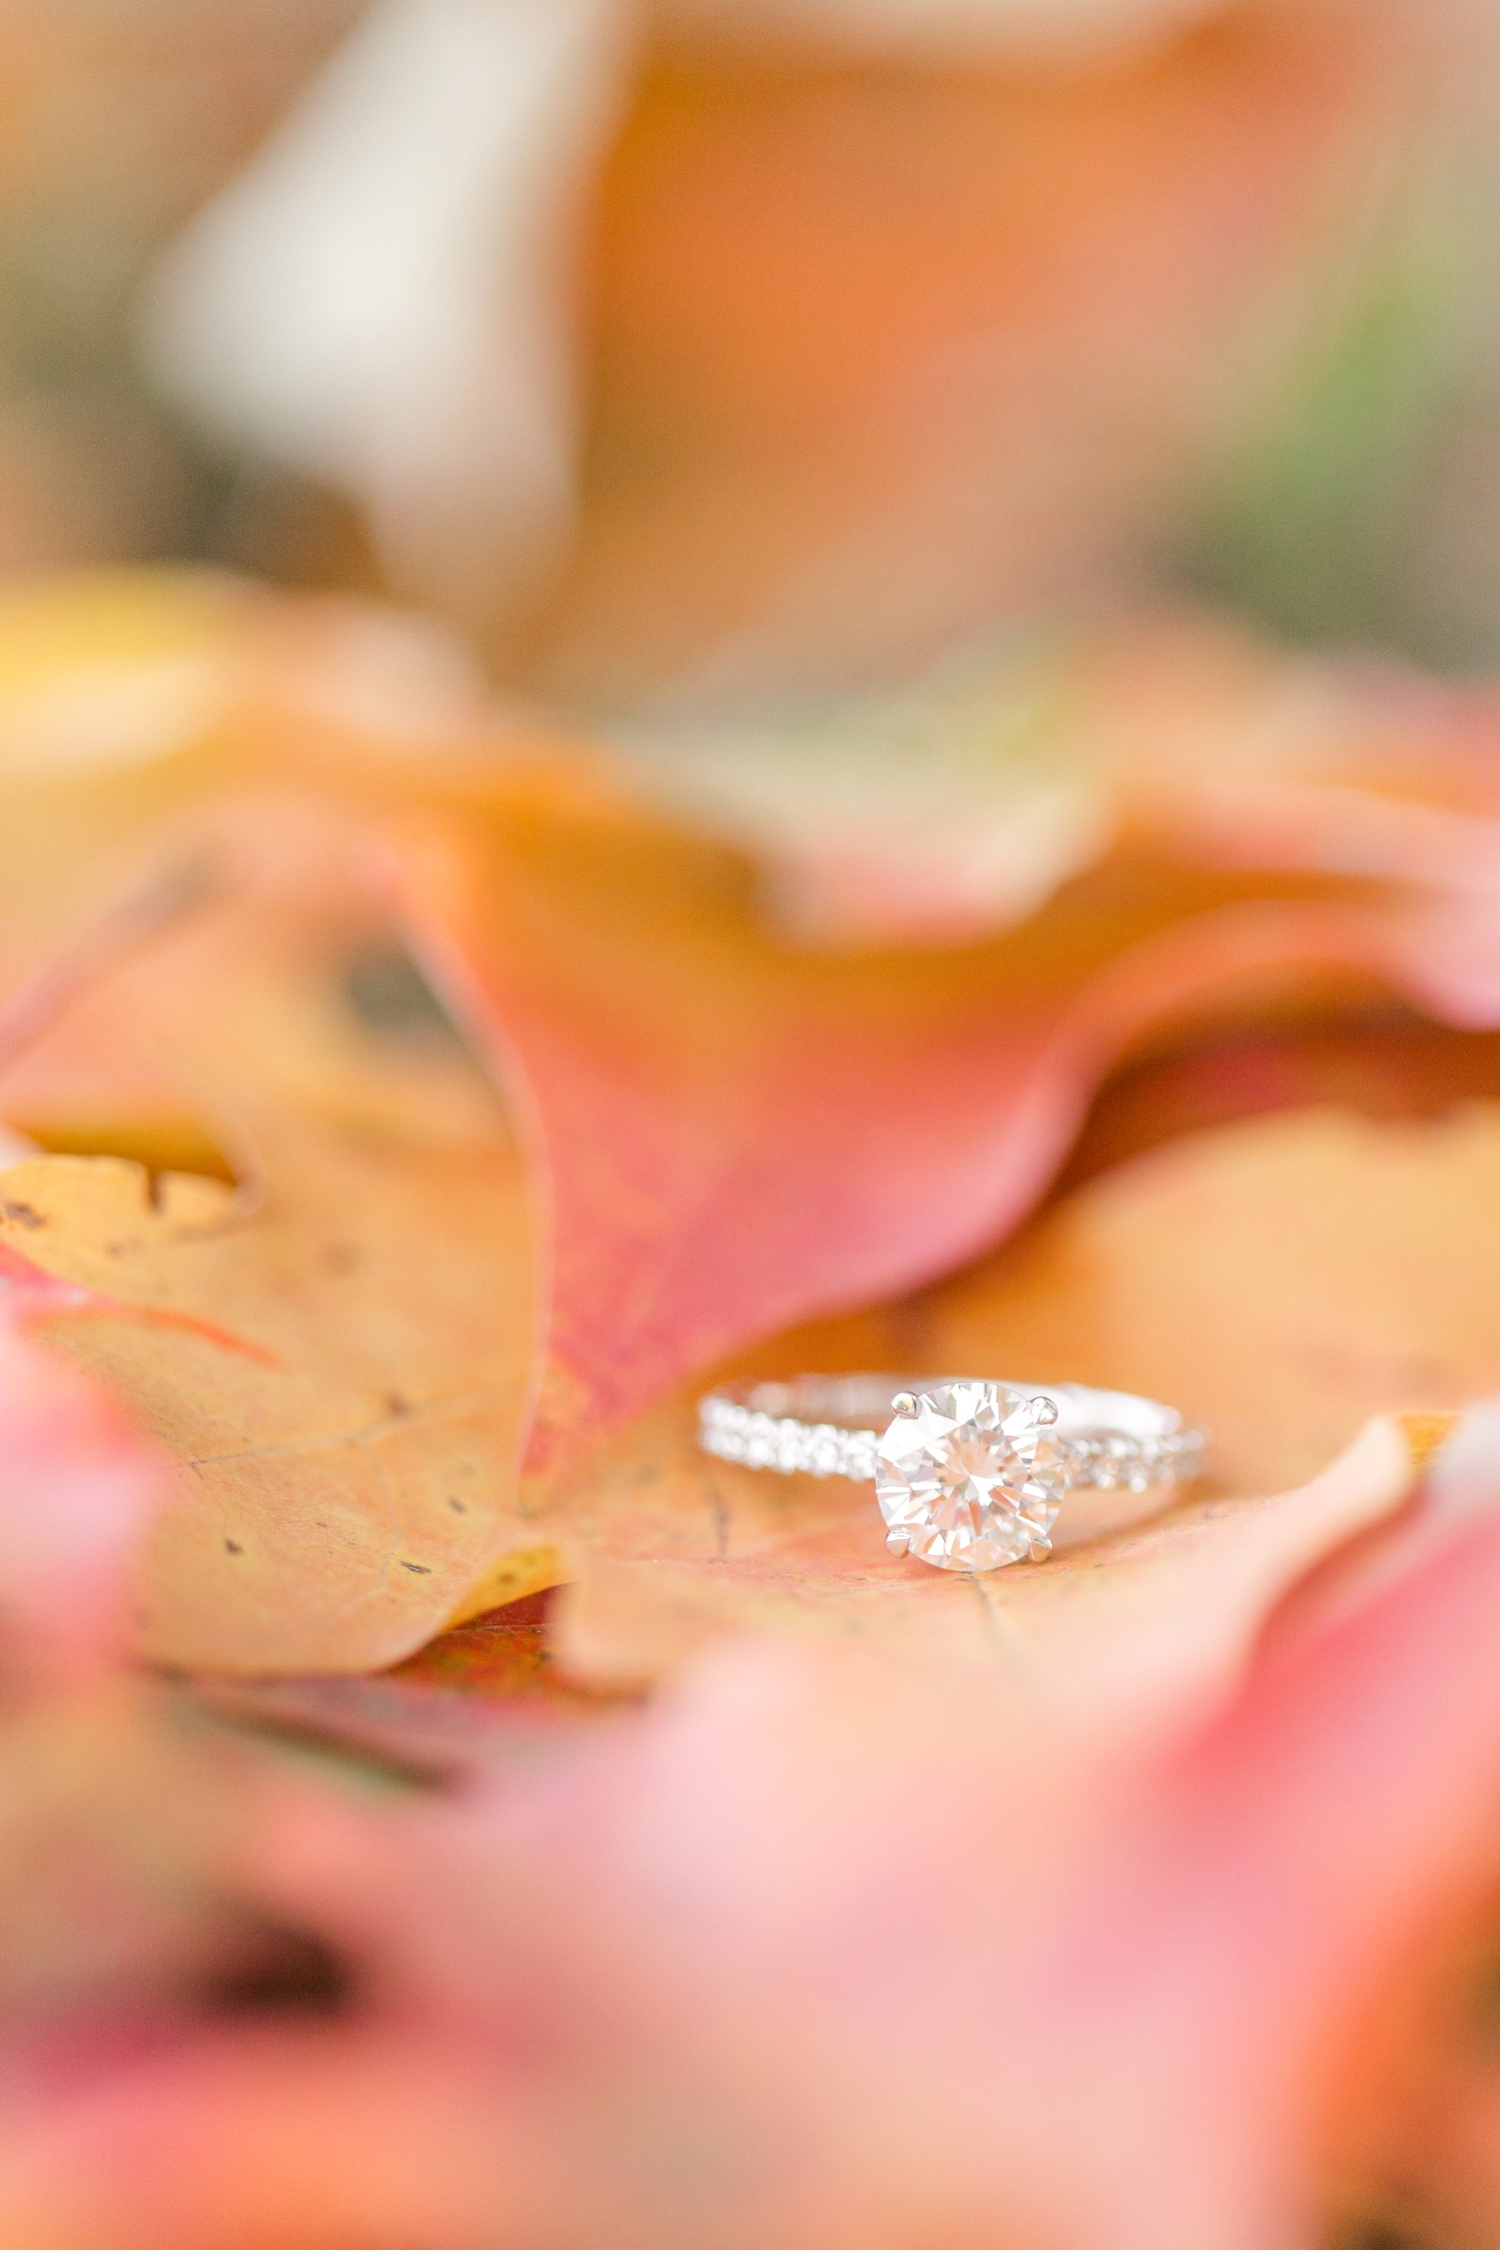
[969, 1474]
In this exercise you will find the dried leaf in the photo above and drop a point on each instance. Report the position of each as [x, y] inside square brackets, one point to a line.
[1124, 1632]
[505, 1652]
[876, 421]
[965, 802]
[695, 1990]
[1281, 1280]
[335, 1354]
[727, 1133]
[120, 1813]
[1360, 1268]
[733, 1135]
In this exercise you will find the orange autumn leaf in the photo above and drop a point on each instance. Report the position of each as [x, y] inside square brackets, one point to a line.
[334, 1351]
[332, 1502]
[1123, 1632]
[785, 1131]
[732, 1133]
[130, 698]
[1282, 1281]
[910, 348]
[945, 811]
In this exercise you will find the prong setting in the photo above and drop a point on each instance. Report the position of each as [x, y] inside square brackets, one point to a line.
[969, 1471]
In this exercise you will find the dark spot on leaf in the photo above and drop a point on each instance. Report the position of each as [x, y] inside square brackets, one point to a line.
[1485, 1999]
[233, 1547]
[341, 1257]
[420, 1569]
[24, 1215]
[281, 1972]
[396, 1404]
[459, 1507]
[391, 997]
[1379, 2230]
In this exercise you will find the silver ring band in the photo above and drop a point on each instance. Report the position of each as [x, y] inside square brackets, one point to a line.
[969, 1472]
[828, 1425]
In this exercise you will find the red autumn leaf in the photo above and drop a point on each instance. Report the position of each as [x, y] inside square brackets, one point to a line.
[842, 1955]
[786, 1130]
[76, 1497]
[732, 1133]
[121, 1813]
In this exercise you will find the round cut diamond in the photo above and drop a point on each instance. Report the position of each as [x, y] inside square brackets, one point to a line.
[973, 1479]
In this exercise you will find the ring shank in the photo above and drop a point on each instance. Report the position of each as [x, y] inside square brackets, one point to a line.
[826, 1425]
[863, 1402]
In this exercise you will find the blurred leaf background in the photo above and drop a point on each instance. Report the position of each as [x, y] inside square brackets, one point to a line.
[117, 118]
[788, 239]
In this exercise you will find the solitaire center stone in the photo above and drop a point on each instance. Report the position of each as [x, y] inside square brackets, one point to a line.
[974, 1479]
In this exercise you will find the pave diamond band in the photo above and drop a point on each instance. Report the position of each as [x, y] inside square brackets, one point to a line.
[970, 1473]
[781, 1425]
[1111, 1438]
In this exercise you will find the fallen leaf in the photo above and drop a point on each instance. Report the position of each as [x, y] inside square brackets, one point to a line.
[672, 1553]
[77, 1494]
[124, 694]
[963, 802]
[789, 1134]
[1361, 1280]
[786, 1132]
[693, 1988]
[121, 1811]
[880, 420]
[335, 1355]
[1281, 1280]
[503, 1653]
[1383, 1062]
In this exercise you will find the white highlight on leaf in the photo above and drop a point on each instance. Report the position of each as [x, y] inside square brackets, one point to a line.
[384, 299]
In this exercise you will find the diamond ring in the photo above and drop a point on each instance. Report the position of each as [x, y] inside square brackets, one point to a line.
[969, 1474]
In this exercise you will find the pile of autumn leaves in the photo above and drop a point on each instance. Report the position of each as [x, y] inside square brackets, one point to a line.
[404, 1114]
